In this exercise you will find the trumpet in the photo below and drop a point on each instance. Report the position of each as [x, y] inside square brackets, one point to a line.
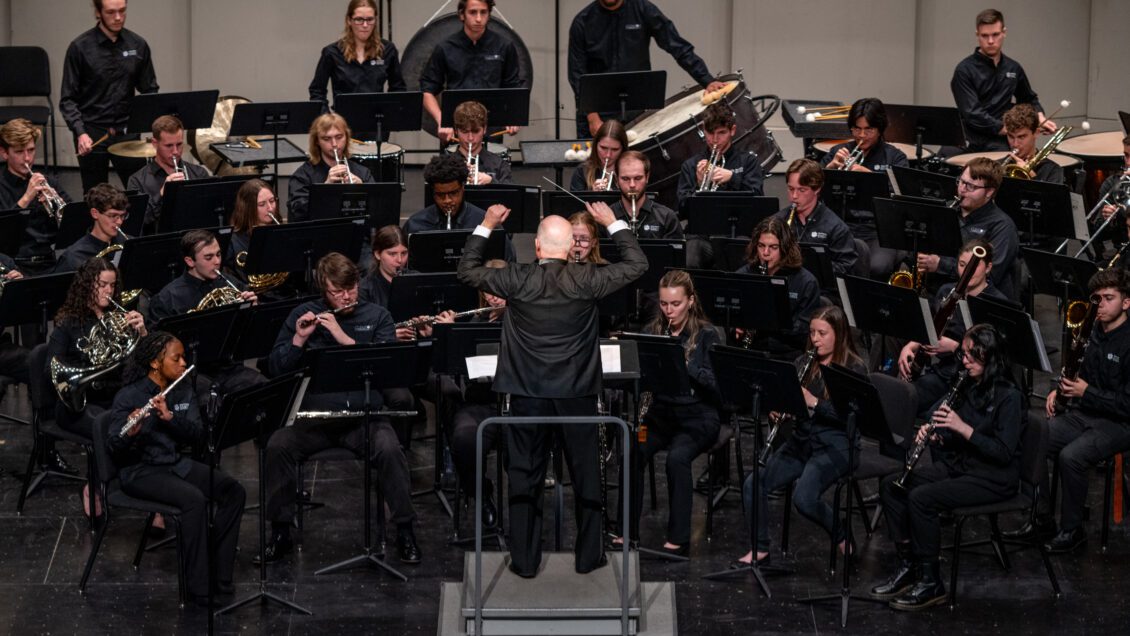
[805, 368]
[133, 420]
[855, 157]
[337, 160]
[717, 160]
[634, 219]
[52, 202]
[919, 447]
[178, 167]
[607, 176]
[429, 320]
[333, 312]
[472, 166]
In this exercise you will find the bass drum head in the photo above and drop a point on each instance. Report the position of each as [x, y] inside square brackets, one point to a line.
[419, 51]
[200, 139]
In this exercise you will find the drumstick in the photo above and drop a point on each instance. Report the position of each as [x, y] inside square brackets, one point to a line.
[100, 140]
[498, 134]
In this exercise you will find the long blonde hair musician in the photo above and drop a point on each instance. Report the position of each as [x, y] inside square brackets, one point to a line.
[676, 289]
[586, 239]
[329, 142]
[611, 139]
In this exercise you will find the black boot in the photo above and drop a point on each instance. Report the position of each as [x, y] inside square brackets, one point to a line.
[906, 573]
[51, 460]
[927, 591]
[1043, 527]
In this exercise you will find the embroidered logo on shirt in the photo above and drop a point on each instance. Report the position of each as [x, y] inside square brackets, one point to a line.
[651, 228]
[1010, 74]
[793, 295]
[738, 170]
[364, 327]
[819, 235]
[979, 231]
[1113, 357]
[129, 53]
[633, 27]
[493, 57]
[180, 407]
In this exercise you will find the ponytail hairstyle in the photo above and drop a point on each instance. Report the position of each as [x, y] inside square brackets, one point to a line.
[696, 317]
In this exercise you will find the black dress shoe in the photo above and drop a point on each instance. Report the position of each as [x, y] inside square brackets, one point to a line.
[928, 591]
[599, 564]
[407, 549]
[906, 573]
[279, 547]
[1042, 528]
[490, 512]
[54, 462]
[1066, 541]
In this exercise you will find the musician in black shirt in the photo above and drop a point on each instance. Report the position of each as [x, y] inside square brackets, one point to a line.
[1120, 200]
[102, 69]
[21, 188]
[360, 61]
[109, 208]
[329, 163]
[646, 218]
[201, 252]
[814, 222]
[470, 122]
[598, 172]
[255, 206]
[168, 166]
[13, 358]
[987, 83]
[610, 36]
[152, 468]
[390, 259]
[472, 58]
[1021, 127]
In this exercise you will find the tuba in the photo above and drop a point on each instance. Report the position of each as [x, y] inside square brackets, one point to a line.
[110, 341]
[1021, 170]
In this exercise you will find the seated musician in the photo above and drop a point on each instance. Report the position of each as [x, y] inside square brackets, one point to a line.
[21, 188]
[773, 251]
[152, 468]
[167, 166]
[939, 374]
[610, 141]
[586, 239]
[981, 218]
[201, 252]
[329, 162]
[1021, 125]
[339, 317]
[88, 301]
[1091, 426]
[652, 219]
[868, 123]
[390, 259]
[975, 444]
[815, 454]
[1118, 201]
[470, 122]
[735, 171]
[814, 222]
[13, 362]
[109, 208]
[685, 425]
[255, 206]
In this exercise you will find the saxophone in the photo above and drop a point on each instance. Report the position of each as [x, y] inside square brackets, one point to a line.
[919, 447]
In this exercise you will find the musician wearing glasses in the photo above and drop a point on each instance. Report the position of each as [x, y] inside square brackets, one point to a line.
[814, 222]
[981, 218]
[733, 170]
[167, 166]
[598, 171]
[868, 151]
[152, 467]
[329, 163]
[484, 167]
[201, 252]
[586, 239]
[109, 208]
[974, 439]
[339, 317]
[988, 83]
[646, 218]
[360, 61]
[22, 188]
[1021, 125]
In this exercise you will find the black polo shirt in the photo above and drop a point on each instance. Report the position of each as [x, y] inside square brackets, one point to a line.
[298, 189]
[880, 157]
[83, 250]
[150, 179]
[983, 92]
[991, 224]
[350, 76]
[179, 296]
[457, 62]
[824, 227]
[655, 220]
[39, 236]
[493, 165]
[100, 77]
[748, 176]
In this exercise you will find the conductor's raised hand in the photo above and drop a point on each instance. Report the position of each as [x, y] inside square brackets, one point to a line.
[496, 214]
[601, 212]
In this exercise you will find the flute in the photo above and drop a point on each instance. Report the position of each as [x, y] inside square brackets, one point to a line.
[333, 312]
[427, 320]
[135, 419]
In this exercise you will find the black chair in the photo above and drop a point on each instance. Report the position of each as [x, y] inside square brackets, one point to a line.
[1034, 450]
[27, 73]
[717, 461]
[110, 489]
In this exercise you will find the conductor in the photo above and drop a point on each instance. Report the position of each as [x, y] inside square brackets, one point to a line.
[549, 363]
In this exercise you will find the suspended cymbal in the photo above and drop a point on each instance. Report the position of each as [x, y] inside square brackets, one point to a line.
[140, 149]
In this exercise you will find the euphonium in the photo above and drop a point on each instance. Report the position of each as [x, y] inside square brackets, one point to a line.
[106, 346]
[919, 447]
[1021, 170]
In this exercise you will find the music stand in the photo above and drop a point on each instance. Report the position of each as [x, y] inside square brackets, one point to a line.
[1059, 275]
[297, 247]
[378, 203]
[662, 255]
[505, 106]
[876, 306]
[1043, 208]
[204, 334]
[917, 227]
[75, 224]
[523, 201]
[859, 400]
[850, 190]
[1022, 338]
[13, 223]
[630, 90]
[274, 119]
[195, 109]
[732, 214]
[420, 294]
[743, 300]
[441, 250]
[922, 184]
[744, 377]
[200, 203]
[367, 367]
[935, 125]
[818, 262]
[729, 253]
[33, 299]
[378, 113]
[561, 204]
[257, 327]
[151, 262]
[254, 413]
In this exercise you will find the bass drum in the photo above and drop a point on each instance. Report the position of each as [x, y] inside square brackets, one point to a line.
[673, 134]
[419, 51]
[200, 139]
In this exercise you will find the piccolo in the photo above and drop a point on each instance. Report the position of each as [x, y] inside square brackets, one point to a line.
[333, 312]
[136, 418]
[427, 320]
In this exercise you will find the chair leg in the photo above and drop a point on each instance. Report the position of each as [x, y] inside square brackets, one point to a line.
[299, 509]
[862, 508]
[144, 539]
[835, 527]
[99, 534]
[709, 495]
[788, 515]
[1048, 566]
[28, 487]
[91, 483]
[1108, 495]
[957, 524]
[997, 541]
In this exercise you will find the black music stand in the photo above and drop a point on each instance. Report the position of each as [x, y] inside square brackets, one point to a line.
[875, 306]
[732, 214]
[34, 299]
[909, 124]
[850, 190]
[75, 224]
[561, 204]
[378, 203]
[420, 294]
[151, 262]
[254, 413]
[854, 396]
[368, 367]
[1043, 208]
[743, 300]
[379, 113]
[296, 247]
[818, 261]
[12, 226]
[1061, 276]
[729, 253]
[917, 227]
[200, 203]
[195, 109]
[1022, 338]
[274, 119]
[505, 106]
[662, 255]
[631, 90]
[257, 328]
[922, 184]
[440, 250]
[744, 377]
[205, 334]
[523, 201]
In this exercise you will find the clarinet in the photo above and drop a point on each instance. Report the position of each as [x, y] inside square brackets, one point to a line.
[774, 428]
[919, 447]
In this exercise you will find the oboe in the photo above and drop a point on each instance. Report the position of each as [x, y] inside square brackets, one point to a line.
[135, 419]
[919, 447]
[428, 320]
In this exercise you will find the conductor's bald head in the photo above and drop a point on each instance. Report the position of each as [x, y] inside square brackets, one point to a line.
[554, 238]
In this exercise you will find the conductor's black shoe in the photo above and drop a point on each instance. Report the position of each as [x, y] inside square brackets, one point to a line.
[279, 547]
[54, 462]
[927, 591]
[1066, 541]
[599, 564]
[407, 549]
[1042, 528]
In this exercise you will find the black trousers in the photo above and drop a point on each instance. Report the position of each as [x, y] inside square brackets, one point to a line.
[932, 489]
[95, 166]
[461, 435]
[293, 445]
[187, 492]
[13, 362]
[686, 432]
[1080, 442]
[529, 454]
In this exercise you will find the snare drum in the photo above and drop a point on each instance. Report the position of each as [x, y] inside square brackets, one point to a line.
[825, 146]
[387, 167]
